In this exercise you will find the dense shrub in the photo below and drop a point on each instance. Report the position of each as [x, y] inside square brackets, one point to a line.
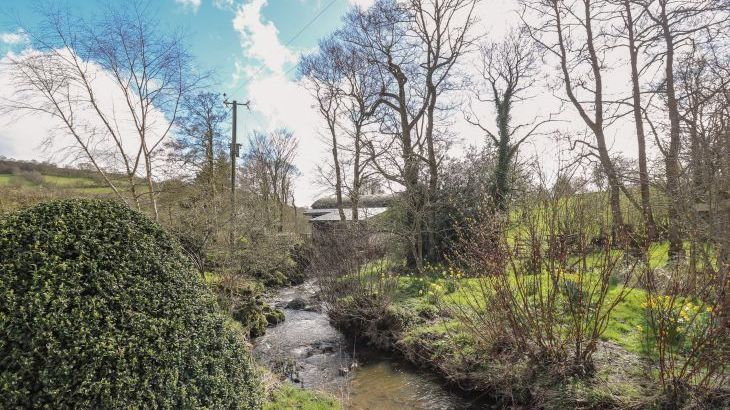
[100, 309]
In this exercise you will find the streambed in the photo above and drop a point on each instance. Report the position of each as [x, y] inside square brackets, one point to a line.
[315, 355]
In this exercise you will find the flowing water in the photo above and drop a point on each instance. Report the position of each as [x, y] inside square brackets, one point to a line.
[316, 355]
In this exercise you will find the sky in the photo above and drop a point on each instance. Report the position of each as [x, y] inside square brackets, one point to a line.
[252, 46]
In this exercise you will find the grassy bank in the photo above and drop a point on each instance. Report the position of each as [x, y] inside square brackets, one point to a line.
[422, 328]
[423, 319]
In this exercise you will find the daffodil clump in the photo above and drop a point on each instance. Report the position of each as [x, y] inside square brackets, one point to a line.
[674, 321]
[435, 281]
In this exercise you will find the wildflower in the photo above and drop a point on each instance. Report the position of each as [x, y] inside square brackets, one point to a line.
[709, 309]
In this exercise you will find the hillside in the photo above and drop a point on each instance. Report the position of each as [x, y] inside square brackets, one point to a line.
[23, 183]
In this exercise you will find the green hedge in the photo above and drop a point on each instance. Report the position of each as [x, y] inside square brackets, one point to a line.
[99, 309]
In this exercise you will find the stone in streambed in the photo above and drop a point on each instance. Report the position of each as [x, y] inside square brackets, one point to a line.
[296, 304]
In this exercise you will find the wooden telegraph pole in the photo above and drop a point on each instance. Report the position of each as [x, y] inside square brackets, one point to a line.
[235, 153]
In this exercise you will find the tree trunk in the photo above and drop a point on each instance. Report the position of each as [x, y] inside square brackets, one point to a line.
[338, 177]
[595, 124]
[355, 194]
[150, 182]
[410, 178]
[671, 160]
[432, 170]
[649, 226]
[504, 159]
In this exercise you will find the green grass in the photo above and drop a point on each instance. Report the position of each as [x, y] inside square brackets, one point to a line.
[626, 317]
[69, 181]
[623, 326]
[290, 397]
[52, 181]
[9, 179]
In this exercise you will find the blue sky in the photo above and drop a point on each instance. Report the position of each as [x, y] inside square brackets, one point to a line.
[251, 46]
[209, 27]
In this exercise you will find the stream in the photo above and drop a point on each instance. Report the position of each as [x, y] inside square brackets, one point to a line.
[315, 355]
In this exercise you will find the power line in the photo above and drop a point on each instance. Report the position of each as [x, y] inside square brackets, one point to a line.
[288, 43]
[306, 26]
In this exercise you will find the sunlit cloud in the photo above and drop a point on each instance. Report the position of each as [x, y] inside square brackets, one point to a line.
[260, 38]
[189, 5]
[17, 37]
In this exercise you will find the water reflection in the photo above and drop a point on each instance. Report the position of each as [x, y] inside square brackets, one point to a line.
[384, 384]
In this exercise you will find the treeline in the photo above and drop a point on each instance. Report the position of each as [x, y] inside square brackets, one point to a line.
[389, 83]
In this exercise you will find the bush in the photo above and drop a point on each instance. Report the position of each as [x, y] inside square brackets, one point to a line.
[100, 310]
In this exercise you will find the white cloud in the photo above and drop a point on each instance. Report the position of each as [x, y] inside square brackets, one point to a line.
[259, 38]
[24, 134]
[364, 4]
[192, 5]
[276, 100]
[282, 102]
[17, 37]
[223, 4]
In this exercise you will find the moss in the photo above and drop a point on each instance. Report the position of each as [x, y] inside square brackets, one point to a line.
[274, 316]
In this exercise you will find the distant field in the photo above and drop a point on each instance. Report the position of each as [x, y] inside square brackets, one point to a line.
[18, 191]
[66, 181]
[8, 179]
[51, 180]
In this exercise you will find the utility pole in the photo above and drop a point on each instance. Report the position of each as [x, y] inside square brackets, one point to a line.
[235, 153]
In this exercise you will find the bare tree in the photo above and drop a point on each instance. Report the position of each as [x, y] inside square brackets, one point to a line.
[508, 71]
[384, 37]
[149, 70]
[412, 48]
[570, 31]
[271, 157]
[346, 93]
[201, 132]
[362, 94]
[674, 26]
[443, 28]
[323, 81]
[636, 39]
[701, 85]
